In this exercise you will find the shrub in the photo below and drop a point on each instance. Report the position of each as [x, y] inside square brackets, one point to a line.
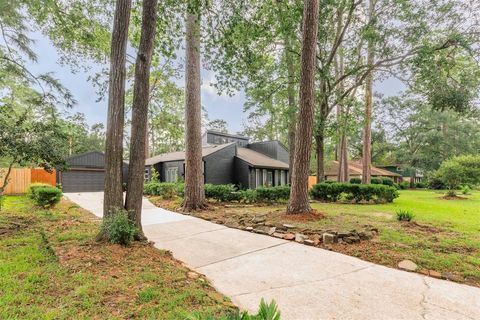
[273, 193]
[420, 185]
[436, 183]
[404, 215]
[266, 311]
[221, 192]
[248, 195]
[403, 185]
[387, 181]
[118, 228]
[166, 190]
[459, 170]
[35, 186]
[466, 190]
[376, 181]
[357, 192]
[180, 189]
[356, 180]
[47, 196]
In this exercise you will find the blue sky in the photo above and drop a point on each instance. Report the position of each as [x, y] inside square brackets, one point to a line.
[223, 107]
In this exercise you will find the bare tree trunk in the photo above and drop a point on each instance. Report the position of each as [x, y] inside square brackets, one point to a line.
[320, 149]
[6, 179]
[194, 192]
[292, 106]
[367, 132]
[139, 138]
[299, 202]
[113, 197]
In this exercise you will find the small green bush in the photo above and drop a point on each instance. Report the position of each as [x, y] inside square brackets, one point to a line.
[420, 185]
[376, 181]
[34, 186]
[387, 181]
[466, 190]
[166, 190]
[47, 196]
[248, 195]
[355, 180]
[357, 192]
[404, 185]
[118, 228]
[436, 183]
[270, 194]
[404, 215]
[180, 189]
[266, 311]
[221, 192]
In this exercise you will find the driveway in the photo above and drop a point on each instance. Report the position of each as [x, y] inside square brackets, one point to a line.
[306, 282]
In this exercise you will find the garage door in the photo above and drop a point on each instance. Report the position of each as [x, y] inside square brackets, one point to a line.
[83, 181]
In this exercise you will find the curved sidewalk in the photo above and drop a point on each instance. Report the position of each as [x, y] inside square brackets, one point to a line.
[306, 282]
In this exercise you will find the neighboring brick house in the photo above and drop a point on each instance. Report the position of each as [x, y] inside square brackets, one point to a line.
[355, 171]
[229, 158]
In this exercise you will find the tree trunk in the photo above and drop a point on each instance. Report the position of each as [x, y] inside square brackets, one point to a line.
[343, 175]
[292, 107]
[367, 132]
[113, 196]
[320, 149]
[194, 192]
[139, 138]
[299, 202]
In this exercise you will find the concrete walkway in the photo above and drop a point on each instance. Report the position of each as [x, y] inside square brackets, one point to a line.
[306, 282]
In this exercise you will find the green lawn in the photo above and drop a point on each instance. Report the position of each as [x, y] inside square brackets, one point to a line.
[50, 268]
[444, 237]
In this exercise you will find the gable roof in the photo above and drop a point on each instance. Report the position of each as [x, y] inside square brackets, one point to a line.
[180, 155]
[355, 168]
[224, 134]
[257, 159]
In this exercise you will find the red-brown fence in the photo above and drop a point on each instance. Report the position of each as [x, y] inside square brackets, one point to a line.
[21, 178]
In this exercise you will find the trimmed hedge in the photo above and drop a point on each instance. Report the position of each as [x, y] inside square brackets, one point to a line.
[273, 193]
[34, 187]
[356, 180]
[45, 196]
[166, 190]
[356, 192]
[221, 192]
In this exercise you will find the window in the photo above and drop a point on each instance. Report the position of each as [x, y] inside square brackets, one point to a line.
[277, 177]
[172, 174]
[269, 178]
[264, 177]
[282, 177]
[288, 180]
[146, 174]
[258, 181]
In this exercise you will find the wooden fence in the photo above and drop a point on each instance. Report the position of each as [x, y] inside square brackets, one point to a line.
[311, 181]
[21, 178]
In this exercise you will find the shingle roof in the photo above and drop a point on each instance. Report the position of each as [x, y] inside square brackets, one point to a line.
[257, 159]
[355, 168]
[180, 155]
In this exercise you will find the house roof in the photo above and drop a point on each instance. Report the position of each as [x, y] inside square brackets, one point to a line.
[257, 159]
[180, 155]
[355, 168]
[219, 133]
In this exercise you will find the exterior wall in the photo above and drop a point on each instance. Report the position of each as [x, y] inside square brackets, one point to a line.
[220, 166]
[87, 160]
[272, 149]
[171, 164]
[243, 176]
[218, 138]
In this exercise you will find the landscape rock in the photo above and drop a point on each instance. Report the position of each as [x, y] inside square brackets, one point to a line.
[344, 234]
[289, 236]
[258, 219]
[407, 265]
[300, 238]
[316, 239]
[278, 235]
[193, 275]
[352, 239]
[309, 242]
[249, 228]
[288, 226]
[271, 230]
[434, 274]
[452, 277]
[329, 238]
[365, 235]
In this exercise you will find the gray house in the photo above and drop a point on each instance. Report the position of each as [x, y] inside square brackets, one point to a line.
[228, 158]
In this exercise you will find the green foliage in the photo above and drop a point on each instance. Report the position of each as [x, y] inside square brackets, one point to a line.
[376, 181]
[2, 201]
[435, 183]
[155, 176]
[404, 215]
[404, 185]
[46, 196]
[118, 228]
[355, 180]
[420, 185]
[332, 192]
[167, 190]
[248, 195]
[460, 170]
[221, 192]
[33, 187]
[387, 181]
[270, 194]
[266, 311]
[466, 190]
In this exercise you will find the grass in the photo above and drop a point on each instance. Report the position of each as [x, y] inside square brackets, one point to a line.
[50, 268]
[444, 235]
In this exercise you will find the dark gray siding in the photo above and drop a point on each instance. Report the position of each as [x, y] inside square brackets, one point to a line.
[272, 149]
[219, 166]
[243, 176]
[219, 138]
[87, 160]
[171, 164]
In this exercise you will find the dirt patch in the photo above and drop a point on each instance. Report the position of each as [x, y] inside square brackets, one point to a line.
[14, 224]
[424, 228]
[313, 216]
[453, 198]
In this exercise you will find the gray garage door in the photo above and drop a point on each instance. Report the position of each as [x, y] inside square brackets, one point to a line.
[83, 181]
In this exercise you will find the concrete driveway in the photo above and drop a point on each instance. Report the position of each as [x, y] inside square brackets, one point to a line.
[306, 282]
